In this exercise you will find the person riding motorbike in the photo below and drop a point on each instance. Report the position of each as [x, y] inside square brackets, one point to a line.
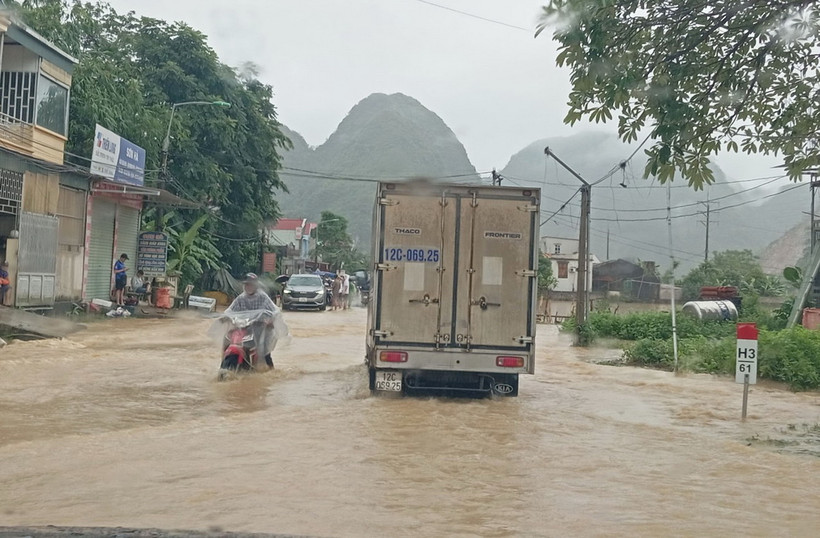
[253, 298]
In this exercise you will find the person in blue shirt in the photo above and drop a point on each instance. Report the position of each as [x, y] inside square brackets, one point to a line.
[5, 283]
[120, 279]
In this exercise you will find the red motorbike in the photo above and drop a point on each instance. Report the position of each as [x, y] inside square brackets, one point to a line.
[244, 341]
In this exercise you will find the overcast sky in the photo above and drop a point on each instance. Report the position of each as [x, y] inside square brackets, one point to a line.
[496, 86]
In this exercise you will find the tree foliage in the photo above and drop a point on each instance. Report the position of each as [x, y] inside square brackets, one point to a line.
[701, 77]
[190, 252]
[546, 280]
[131, 70]
[739, 268]
[334, 244]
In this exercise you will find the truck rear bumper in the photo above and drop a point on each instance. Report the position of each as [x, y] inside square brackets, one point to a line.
[449, 383]
[483, 361]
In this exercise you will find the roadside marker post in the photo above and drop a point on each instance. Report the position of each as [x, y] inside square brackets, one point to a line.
[746, 360]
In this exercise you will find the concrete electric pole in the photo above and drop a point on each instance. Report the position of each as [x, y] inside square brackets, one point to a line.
[582, 299]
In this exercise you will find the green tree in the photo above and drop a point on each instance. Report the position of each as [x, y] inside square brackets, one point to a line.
[190, 252]
[739, 268]
[546, 280]
[131, 70]
[700, 76]
[334, 244]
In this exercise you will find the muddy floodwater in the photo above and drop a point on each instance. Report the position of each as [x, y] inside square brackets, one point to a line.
[125, 425]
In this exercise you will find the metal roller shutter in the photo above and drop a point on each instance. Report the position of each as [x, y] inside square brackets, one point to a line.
[101, 249]
[37, 269]
[128, 229]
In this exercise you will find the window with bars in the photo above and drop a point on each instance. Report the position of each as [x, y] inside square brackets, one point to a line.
[18, 95]
[11, 191]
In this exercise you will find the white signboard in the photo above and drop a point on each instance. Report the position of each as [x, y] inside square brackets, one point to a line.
[106, 152]
[746, 361]
[116, 158]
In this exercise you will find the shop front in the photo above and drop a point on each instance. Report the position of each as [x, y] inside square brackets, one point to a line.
[113, 225]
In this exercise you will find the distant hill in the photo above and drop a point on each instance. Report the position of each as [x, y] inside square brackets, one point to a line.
[396, 137]
[382, 137]
[638, 229]
[792, 248]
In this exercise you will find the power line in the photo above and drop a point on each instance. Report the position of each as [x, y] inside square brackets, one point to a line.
[473, 15]
[684, 186]
[682, 206]
[564, 205]
[302, 172]
[622, 165]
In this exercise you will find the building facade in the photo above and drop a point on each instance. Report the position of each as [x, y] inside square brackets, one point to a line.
[563, 253]
[40, 215]
[292, 240]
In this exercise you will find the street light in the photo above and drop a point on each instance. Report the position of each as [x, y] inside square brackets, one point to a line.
[163, 175]
[316, 249]
[167, 141]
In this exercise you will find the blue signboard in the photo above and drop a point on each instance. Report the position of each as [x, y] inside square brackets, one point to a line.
[118, 159]
[131, 164]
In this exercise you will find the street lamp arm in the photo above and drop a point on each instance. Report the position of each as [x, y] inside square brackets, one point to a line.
[214, 103]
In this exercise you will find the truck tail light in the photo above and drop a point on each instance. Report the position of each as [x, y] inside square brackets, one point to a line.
[509, 362]
[393, 356]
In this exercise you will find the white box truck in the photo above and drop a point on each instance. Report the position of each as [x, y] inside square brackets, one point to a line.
[453, 296]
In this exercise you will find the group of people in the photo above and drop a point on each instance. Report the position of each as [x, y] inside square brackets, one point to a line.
[139, 284]
[341, 289]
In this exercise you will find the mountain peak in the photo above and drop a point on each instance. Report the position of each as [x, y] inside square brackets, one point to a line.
[382, 137]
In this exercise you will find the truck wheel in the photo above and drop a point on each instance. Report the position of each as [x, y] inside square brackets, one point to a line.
[372, 373]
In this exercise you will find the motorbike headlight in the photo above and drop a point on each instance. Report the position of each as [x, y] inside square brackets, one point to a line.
[287, 292]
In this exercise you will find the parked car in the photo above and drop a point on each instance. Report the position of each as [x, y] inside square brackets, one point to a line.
[304, 291]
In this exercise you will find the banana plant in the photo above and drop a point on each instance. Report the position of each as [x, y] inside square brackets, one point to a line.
[191, 252]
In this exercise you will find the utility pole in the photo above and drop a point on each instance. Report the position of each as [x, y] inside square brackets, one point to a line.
[166, 142]
[581, 300]
[707, 222]
[607, 244]
[811, 217]
[708, 214]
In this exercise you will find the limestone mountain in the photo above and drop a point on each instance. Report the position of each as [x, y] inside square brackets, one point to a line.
[631, 211]
[382, 137]
[394, 137]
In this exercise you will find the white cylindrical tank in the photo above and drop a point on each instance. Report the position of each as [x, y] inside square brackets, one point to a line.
[711, 310]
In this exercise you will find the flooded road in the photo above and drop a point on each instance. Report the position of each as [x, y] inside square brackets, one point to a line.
[125, 425]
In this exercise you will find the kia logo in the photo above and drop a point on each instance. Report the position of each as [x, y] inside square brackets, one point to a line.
[503, 388]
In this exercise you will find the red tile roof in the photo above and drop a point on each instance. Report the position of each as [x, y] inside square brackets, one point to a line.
[292, 224]
[287, 224]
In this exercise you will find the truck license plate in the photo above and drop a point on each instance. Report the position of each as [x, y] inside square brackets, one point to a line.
[390, 381]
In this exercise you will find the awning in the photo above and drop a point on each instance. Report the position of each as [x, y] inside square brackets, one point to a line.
[153, 195]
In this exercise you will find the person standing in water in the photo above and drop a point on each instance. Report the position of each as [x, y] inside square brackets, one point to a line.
[120, 279]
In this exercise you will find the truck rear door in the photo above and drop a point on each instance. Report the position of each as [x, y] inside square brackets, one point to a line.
[456, 268]
[498, 271]
[416, 251]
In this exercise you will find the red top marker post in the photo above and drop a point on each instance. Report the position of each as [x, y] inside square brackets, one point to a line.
[747, 331]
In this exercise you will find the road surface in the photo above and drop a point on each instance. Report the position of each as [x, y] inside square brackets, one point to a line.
[125, 425]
